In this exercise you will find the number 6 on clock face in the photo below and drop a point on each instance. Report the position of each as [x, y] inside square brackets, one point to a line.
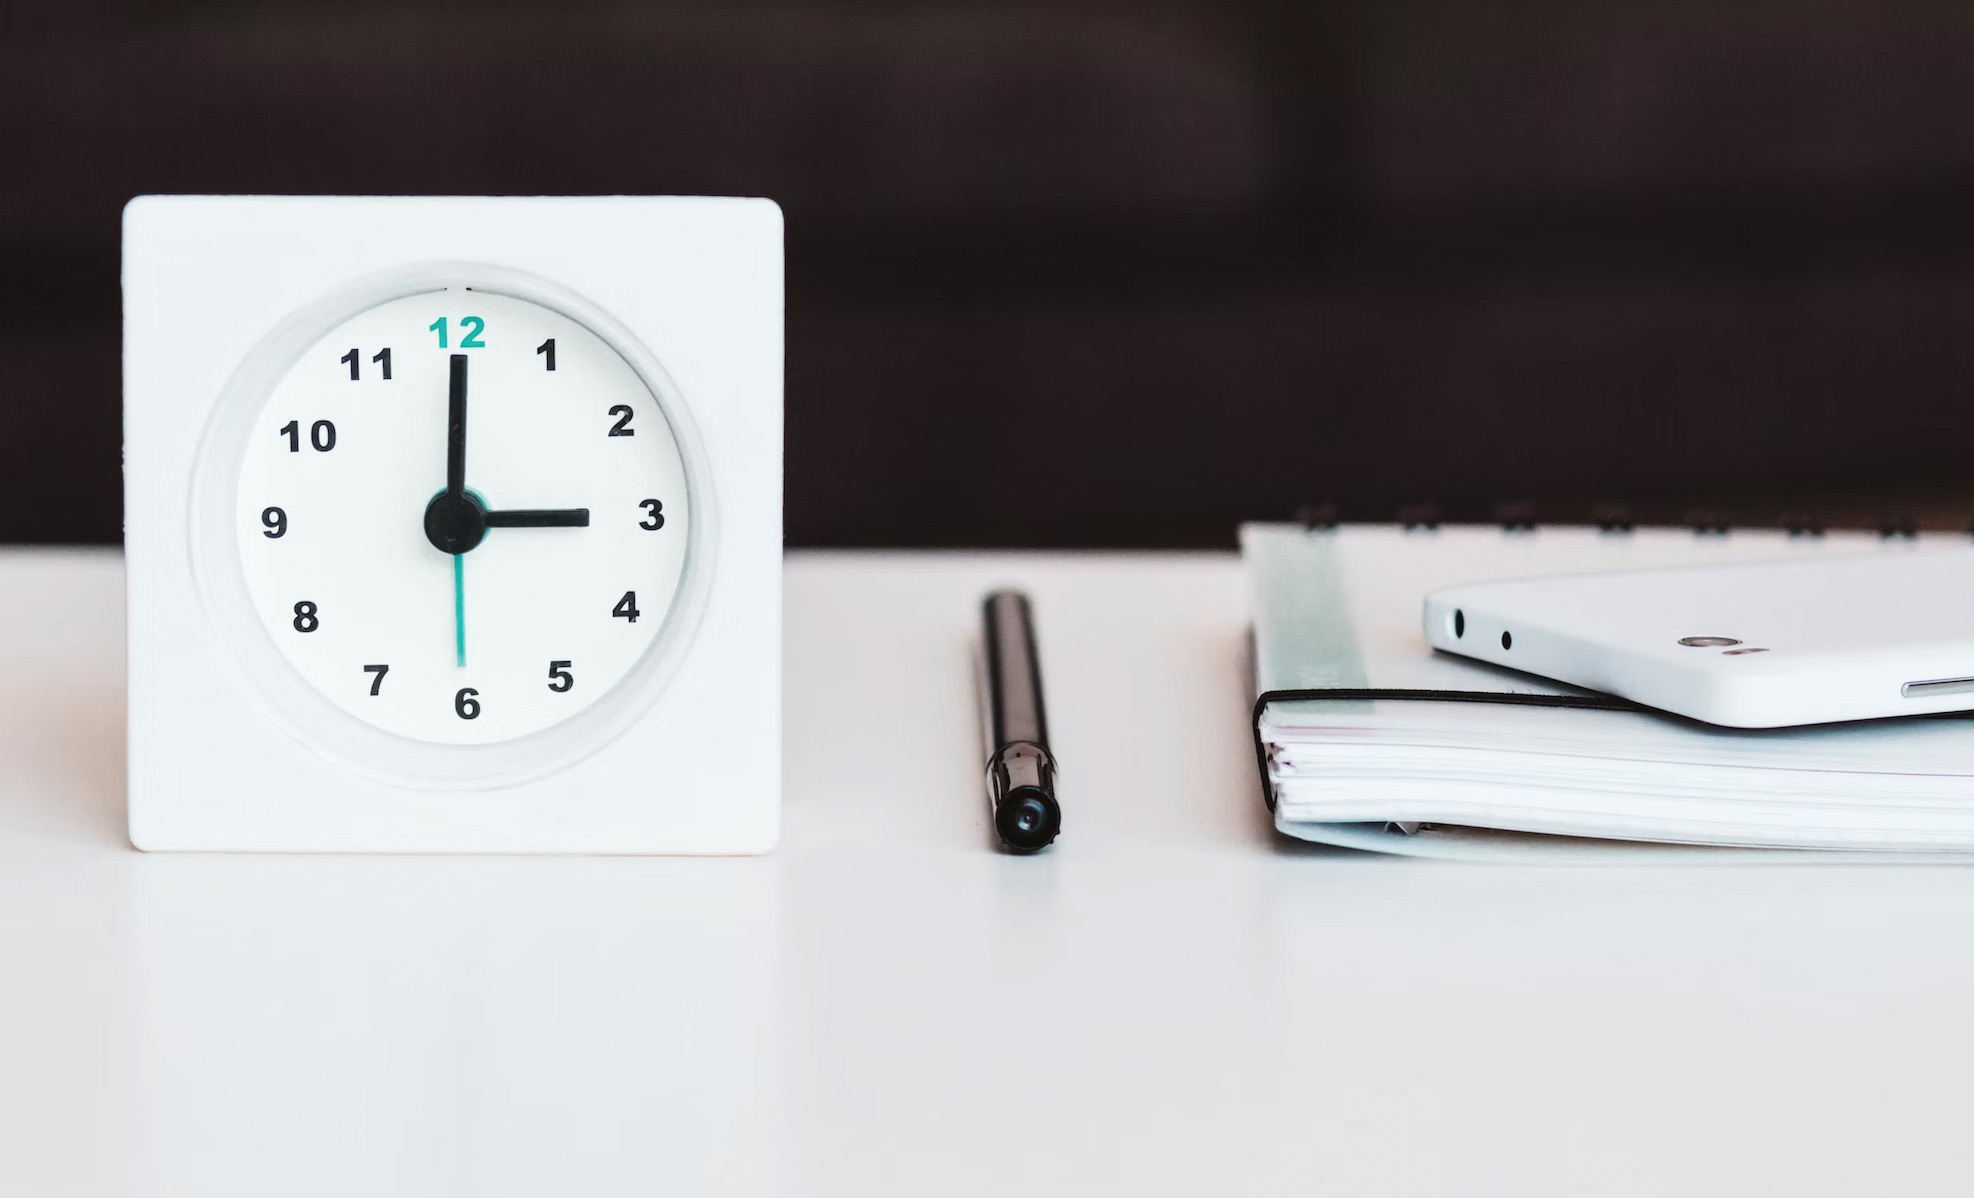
[499, 501]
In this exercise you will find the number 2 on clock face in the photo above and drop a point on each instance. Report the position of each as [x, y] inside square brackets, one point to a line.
[481, 536]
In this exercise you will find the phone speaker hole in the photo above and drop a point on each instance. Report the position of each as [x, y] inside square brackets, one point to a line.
[1507, 641]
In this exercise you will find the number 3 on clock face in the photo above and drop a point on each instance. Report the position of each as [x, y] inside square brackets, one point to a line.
[462, 517]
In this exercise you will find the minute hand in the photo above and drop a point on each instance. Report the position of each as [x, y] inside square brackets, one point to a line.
[456, 429]
[568, 517]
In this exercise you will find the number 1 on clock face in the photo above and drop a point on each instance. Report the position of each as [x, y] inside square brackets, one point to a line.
[464, 518]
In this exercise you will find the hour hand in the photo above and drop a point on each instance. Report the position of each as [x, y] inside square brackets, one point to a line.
[568, 517]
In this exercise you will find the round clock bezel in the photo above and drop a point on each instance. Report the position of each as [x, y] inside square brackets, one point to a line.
[278, 687]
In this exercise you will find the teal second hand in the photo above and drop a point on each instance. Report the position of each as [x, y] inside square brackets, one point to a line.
[459, 605]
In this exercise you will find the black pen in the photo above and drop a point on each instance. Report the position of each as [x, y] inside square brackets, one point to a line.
[1021, 772]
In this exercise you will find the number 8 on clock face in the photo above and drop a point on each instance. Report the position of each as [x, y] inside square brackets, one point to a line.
[462, 516]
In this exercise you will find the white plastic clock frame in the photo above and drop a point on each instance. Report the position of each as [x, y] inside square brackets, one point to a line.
[228, 747]
[299, 708]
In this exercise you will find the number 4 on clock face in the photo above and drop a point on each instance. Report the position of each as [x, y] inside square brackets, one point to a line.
[434, 555]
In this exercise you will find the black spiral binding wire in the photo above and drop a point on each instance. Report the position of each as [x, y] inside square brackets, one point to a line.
[1520, 515]
[1613, 517]
[1317, 517]
[1418, 517]
[1707, 523]
[1516, 515]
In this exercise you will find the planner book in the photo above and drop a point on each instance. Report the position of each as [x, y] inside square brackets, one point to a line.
[1366, 737]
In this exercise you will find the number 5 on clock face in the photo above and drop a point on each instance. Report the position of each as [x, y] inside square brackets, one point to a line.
[462, 517]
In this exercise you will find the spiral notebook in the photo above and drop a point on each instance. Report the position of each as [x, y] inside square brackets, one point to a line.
[1367, 738]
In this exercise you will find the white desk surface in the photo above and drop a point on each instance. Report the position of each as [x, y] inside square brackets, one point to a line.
[1173, 1001]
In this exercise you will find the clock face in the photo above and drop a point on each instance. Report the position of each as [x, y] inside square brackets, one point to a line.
[462, 517]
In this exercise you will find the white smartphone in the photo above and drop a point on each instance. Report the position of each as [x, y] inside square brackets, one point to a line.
[1770, 644]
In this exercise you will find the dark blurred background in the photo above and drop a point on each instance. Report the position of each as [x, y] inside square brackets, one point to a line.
[1108, 273]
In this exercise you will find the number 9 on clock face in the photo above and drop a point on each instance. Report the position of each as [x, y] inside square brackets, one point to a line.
[462, 517]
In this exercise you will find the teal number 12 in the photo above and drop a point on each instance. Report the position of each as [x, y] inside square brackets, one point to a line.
[474, 327]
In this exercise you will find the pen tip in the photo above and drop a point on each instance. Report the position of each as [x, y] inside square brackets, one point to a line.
[1028, 819]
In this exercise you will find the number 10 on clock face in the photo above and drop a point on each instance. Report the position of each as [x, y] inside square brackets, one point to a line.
[462, 517]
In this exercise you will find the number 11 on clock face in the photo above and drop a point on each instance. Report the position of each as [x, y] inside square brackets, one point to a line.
[463, 517]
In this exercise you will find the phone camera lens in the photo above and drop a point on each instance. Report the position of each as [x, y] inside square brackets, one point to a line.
[1459, 622]
[1707, 642]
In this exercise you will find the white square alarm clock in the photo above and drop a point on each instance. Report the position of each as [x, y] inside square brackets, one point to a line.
[453, 524]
